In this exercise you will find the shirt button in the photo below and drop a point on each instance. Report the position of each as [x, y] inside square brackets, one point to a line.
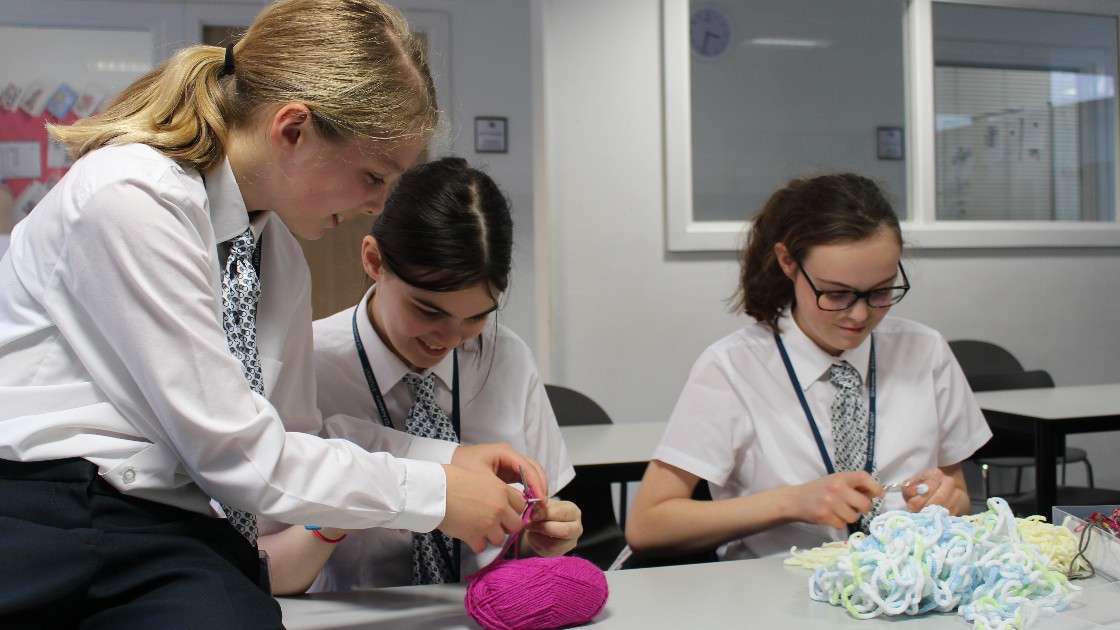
[129, 475]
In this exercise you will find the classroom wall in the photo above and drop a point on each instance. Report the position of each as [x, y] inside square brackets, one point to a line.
[629, 318]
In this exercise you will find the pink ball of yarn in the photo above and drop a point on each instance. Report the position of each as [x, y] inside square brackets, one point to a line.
[537, 594]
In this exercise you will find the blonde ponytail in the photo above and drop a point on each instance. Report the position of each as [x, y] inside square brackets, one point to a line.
[354, 63]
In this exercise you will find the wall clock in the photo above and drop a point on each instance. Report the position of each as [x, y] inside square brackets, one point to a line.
[709, 32]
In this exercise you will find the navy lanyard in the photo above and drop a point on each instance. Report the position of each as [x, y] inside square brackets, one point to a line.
[453, 558]
[870, 462]
[371, 380]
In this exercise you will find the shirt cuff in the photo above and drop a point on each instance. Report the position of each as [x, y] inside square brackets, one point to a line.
[425, 491]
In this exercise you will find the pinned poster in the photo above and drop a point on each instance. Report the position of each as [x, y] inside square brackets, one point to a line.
[91, 98]
[57, 155]
[61, 101]
[20, 159]
[34, 99]
[9, 97]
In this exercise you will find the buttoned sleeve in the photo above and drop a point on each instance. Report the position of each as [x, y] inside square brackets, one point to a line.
[710, 422]
[135, 292]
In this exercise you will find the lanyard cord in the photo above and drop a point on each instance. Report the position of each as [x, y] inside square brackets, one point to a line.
[378, 400]
[870, 460]
[454, 557]
[869, 464]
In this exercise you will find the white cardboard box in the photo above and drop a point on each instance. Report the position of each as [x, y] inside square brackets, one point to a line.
[1103, 550]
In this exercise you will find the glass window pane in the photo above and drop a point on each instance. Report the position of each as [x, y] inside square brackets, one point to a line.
[805, 87]
[1025, 102]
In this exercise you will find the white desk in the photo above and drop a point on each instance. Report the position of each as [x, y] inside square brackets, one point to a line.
[1051, 414]
[742, 594]
[604, 445]
[613, 453]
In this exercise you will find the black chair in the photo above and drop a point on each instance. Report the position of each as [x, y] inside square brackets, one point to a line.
[602, 538]
[987, 367]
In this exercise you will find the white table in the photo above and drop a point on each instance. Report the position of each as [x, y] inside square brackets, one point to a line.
[613, 453]
[1051, 414]
[607, 445]
[742, 594]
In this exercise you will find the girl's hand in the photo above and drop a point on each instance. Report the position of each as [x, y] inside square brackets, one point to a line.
[941, 489]
[554, 528]
[836, 500]
[481, 509]
[504, 462]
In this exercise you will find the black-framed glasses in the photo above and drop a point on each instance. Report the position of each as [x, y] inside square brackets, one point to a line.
[844, 300]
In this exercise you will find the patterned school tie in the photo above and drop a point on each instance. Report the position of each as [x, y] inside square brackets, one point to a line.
[430, 551]
[241, 290]
[849, 428]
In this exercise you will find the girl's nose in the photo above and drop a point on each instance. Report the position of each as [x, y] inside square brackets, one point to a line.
[449, 335]
[859, 311]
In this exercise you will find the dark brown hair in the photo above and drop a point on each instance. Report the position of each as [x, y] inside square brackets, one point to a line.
[446, 227]
[823, 210]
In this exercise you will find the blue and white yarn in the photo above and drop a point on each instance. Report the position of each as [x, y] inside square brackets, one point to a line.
[931, 561]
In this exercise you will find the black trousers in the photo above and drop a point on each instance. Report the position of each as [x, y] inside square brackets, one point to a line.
[76, 553]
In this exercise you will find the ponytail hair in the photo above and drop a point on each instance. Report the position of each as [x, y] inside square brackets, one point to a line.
[824, 210]
[446, 227]
[354, 63]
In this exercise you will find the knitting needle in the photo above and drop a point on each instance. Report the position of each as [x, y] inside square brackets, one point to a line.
[526, 485]
[901, 485]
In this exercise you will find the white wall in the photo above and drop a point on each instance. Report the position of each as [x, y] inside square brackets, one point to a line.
[491, 76]
[629, 318]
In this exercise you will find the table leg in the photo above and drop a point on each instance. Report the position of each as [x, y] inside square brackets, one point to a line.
[622, 505]
[1046, 476]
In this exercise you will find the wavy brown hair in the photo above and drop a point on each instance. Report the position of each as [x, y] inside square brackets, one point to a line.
[354, 63]
[823, 210]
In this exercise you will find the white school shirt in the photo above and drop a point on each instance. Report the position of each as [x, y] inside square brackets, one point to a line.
[739, 425]
[112, 350]
[501, 399]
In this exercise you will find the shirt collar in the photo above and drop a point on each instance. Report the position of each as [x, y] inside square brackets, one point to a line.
[228, 213]
[388, 367]
[810, 363]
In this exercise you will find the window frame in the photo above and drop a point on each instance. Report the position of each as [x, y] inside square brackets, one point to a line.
[921, 229]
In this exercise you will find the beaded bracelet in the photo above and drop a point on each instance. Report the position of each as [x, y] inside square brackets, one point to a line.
[333, 541]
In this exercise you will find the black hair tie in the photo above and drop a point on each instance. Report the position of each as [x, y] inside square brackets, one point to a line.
[228, 67]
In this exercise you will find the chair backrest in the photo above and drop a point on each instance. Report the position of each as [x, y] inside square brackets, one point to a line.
[989, 367]
[982, 357]
[574, 408]
[1016, 380]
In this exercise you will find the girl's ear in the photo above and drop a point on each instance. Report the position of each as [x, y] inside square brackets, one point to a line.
[289, 124]
[371, 258]
[785, 260]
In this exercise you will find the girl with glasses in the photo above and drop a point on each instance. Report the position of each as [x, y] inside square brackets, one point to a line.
[798, 420]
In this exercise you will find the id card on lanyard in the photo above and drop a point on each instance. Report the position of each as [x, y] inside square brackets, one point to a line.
[869, 462]
[453, 556]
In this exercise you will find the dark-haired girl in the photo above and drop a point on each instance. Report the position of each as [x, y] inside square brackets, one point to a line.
[798, 420]
[439, 256]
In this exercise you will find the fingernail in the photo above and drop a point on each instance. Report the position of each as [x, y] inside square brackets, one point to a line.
[922, 488]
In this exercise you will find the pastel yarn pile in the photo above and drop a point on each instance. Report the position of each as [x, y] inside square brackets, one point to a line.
[932, 561]
[535, 593]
